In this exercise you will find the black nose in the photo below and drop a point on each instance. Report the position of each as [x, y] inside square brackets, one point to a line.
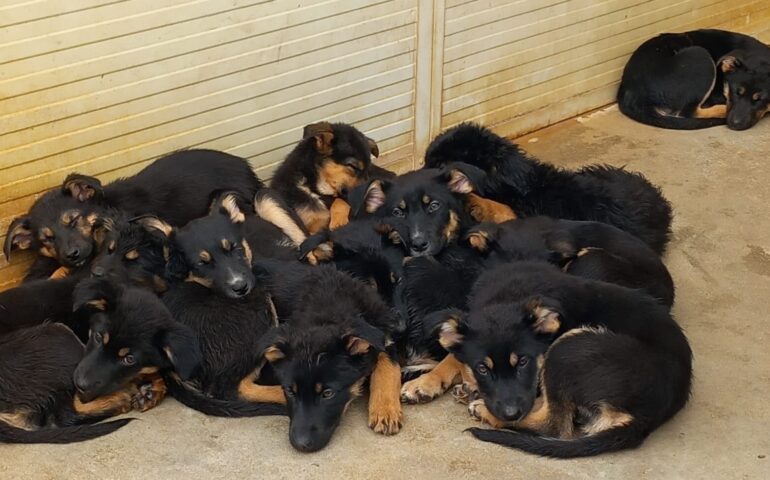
[73, 254]
[510, 413]
[98, 271]
[240, 287]
[420, 244]
[305, 442]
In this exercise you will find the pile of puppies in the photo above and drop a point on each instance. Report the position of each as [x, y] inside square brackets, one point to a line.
[537, 294]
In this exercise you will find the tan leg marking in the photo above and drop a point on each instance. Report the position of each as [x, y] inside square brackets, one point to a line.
[60, 273]
[607, 418]
[112, 404]
[467, 391]
[151, 390]
[269, 210]
[430, 385]
[252, 392]
[479, 411]
[385, 415]
[714, 111]
[485, 210]
[315, 219]
[339, 213]
[18, 419]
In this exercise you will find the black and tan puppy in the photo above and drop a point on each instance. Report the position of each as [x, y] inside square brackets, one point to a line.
[221, 302]
[177, 188]
[330, 159]
[599, 193]
[697, 79]
[134, 341]
[324, 351]
[576, 367]
[37, 394]
[592, 250]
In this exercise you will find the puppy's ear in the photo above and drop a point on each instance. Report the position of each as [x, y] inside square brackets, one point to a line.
[450, 327]
[19, 235]
[729, 63]
[273, 346]
[482, 237]
[94, 295]
[180, 346]
[154, 225]
[545, 314]
[322, 134]
[363, 338]
[82, 187]
[227, 204]
[463, 178]
[102, 226]
[373, 148]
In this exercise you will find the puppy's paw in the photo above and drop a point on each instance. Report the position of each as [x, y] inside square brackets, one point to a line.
[463, 393]
[386, 419]
[478, 411]
[422, 389]
[149, 395]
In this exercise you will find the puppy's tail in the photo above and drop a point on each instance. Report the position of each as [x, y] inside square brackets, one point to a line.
[619, 438]
[215, 407]
[78, 433]
[649, 115]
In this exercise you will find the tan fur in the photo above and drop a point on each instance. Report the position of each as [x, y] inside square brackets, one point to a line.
[252, 392]
[485, 210]
[113, 404]
[247, 251]
[48, 251]
[191, 277]
[430, 385]
[60, 273]
[479, 240]
[315, 219]
[607, 418]
[132, 255]
[339, 213]
[230, 205]
[385, 415]
[448, 334]
[714, 111]
[19, 419]
[333, 178]
[273, 354]
[269, 210]
[452, 226]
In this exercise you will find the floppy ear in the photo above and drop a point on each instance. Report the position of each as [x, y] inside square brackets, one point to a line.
[482, 236]
[729, 63]
[82, 187]
[464, 178]
[94, 295]
[322, 134]
[19, 235]
[373, 147]
[449, 325]
[180, 346]
[227, 204]
[363, 338]
[545, 314]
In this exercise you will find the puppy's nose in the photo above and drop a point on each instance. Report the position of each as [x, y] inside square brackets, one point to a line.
[420, 244]
[98, 271]
[510, 413]
[73, 254]
[239, 286]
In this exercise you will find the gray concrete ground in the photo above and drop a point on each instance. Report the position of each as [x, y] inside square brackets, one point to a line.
[720, 258]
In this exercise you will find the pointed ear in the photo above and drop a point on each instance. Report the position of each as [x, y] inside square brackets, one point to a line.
[180, 346]
[450, 327]
[373, 148]
[227, 204]
[322, 134]
[546, 316]
[364, 337]
[19, 235]
[729, 63]
[463, 178]
[82, 187]
[374, 196]
[94, 295]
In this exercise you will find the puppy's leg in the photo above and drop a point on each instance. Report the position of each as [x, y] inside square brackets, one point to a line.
[19, 419]
[60, 273]
[151, 391]
[116, 403]
[339, 213]
[478, 410]
[430, 385]
[486, 210]
[467, 391]
[275, 212]
[252, 392]
[714, 111]
[385, 415]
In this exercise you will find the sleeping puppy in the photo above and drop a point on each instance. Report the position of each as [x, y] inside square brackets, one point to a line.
[324, 351]
[177, 188]
[599, 193]
[330, 159]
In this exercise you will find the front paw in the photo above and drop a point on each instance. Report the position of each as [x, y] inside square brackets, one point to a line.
[386, 419]
[422, 389]
[478, 411]
[149, 395]
[464, 394]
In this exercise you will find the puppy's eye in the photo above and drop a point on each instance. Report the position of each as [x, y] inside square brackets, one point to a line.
[397, 212]
[327, 394]
[128, 360]
[433, 206]
[523, 361]
[482, 369]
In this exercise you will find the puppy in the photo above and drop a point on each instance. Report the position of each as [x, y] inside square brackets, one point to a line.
[330, 159]
[697, 79]
[598, 193]
[323, 352]
[576, 367]
[177, 188]
[37, 395]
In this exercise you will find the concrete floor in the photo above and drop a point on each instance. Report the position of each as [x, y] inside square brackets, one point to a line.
[718, 183]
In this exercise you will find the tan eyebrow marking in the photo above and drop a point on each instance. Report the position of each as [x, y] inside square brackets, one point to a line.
[205, 256]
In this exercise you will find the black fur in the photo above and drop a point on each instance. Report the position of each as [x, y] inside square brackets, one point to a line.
[595, 192]
[670, 76]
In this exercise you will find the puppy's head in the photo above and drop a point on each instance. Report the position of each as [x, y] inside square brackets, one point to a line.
[424, 207]
[342, 156]
[503, 349]
[132, 333]
[322, 369]
[746, 88]
[214, 251]
[59, 226]
[132, 251]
